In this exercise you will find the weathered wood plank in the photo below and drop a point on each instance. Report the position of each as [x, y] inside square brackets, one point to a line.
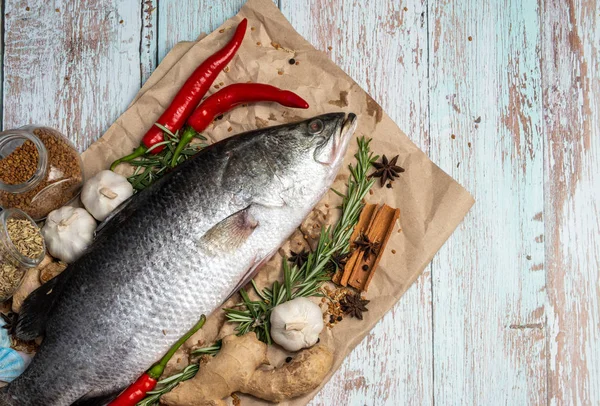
[185, 20]
[488, 280]
[70, 65]
[384, 48]
[571, 92]
[148, 40]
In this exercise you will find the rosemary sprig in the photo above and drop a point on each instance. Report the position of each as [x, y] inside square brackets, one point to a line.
[149, 168]
[304, 281]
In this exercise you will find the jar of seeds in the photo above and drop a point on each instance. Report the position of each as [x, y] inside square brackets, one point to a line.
[40, 170]
[21, 247]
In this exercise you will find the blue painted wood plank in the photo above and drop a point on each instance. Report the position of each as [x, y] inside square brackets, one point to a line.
[70, 65]
[571, 93]
[486, 131]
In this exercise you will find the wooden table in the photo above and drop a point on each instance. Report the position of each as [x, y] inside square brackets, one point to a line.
[503, 95]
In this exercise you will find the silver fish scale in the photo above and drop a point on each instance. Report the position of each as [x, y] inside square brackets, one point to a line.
[144, 285]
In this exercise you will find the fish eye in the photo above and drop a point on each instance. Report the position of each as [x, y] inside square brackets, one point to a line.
[315, 127]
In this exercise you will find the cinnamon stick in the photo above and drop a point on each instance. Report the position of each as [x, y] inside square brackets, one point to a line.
[379, 231]
[364, 221]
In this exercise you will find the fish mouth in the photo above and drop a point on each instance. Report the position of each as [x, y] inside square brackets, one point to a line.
[342, 138]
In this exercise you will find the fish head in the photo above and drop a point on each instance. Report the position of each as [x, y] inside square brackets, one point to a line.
[314, 152]
[330, 135]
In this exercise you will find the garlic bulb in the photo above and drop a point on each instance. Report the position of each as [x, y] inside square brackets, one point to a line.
[68, 232]
[296, 324]
[104, 192]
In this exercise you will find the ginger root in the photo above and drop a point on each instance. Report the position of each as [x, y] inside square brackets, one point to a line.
[236, 368]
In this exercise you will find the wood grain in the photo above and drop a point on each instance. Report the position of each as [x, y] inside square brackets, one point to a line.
[571, 93]
[504, 95]
[486, 131]
[70, 65]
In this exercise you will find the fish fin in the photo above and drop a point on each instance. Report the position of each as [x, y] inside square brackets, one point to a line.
[37, 307]
[230, 233]
[97, 400]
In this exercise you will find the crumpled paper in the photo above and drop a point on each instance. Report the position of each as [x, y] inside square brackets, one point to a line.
[432, 204]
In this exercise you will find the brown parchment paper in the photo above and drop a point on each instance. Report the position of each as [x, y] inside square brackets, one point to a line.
[432, 204]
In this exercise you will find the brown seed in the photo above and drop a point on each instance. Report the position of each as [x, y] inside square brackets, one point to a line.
[330, 48]
[27, 8]
[226, 69]
[453, 136]
[469, 145]
[252, 28]
[222, 30]
[280, 72]
[405, 8]
[393, 251]
[229, 129]
[258, 43]
[60, 184]
[120, 21]
[297, 62]
[57, 10]
[470, 38]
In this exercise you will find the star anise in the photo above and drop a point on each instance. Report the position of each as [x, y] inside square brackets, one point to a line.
[367, 246]
[354, 305]
[386, 170]
[337, 261]
[298, 258]
[10, 321]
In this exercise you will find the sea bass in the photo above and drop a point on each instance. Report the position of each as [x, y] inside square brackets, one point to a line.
[173, 252]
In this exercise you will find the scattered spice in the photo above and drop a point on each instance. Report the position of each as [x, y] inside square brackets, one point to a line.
[258, 43]
[386, 170]
[57, 10]
[470, 38]
[478, 120]
[329, 48]
[59, 184]
[280, 72]
[26, 237]
[27, 8]
[236, 401]
[222, 30]
[229, 129]
[453, 136]
[292, 61]
[298, 258]
[252, 28]
[226, 69]
[354, 305]
[275, 45]
[393, 251]
[389, 185]
[365, 267]
[120, 21]
[288, 359]
[297, 62]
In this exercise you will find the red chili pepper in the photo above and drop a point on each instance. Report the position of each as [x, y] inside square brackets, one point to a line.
[228, 98]
[188, 97]
[145, 383]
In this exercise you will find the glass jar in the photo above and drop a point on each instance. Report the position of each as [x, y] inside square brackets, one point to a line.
[40, 170]
[13, 264]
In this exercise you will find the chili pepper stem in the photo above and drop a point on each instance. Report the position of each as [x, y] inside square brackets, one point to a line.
[157, 369]
[187, 136]
[139, 151]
